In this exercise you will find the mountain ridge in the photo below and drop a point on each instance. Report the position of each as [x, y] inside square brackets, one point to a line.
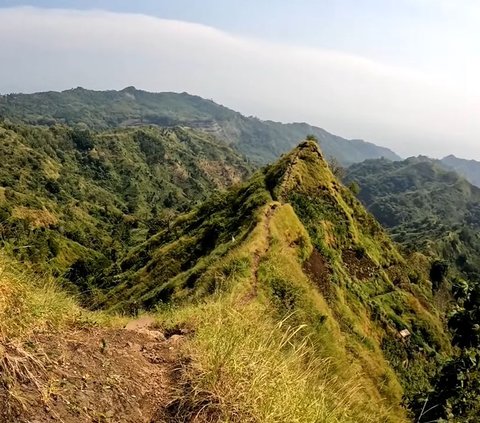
[262, 141]
[468, 168]
[283, 277]
[296, 241]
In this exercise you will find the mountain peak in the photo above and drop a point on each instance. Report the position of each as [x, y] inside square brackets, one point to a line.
[290, 241]
[303, 169]
[129, 89]
[450, 156]
[469, 169]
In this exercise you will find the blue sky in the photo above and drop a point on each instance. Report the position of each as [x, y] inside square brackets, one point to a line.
[402, 73]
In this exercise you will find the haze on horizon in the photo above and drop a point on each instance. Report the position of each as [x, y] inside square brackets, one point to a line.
[402, 74]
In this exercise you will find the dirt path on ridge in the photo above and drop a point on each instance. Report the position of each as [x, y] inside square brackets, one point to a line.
[94, 375]
[260, 253]
[143, 322]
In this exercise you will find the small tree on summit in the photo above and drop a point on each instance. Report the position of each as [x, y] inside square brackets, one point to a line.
[311, 137]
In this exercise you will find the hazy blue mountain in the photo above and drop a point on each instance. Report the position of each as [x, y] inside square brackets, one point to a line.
[262, 141]
[469, 169]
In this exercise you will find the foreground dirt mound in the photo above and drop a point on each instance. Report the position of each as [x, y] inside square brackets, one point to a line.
[91, 375]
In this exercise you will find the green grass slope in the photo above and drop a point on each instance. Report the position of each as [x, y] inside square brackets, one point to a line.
[262, 141]
[288, 279]
[433, 210]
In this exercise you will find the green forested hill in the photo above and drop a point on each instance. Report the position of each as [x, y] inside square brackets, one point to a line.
[262, 141]
[436, 211]
[425, 208]
[73, 196]
[418, 199]
[293, 243]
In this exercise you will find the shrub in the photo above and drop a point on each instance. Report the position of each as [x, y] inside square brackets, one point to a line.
[438, 271]
[82, 139]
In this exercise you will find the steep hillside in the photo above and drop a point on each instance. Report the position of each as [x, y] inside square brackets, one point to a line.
[262, 141]
[436, 211]
[277, 278]
[469, 169]
[279, 300]
[424, 206]
[74, 199]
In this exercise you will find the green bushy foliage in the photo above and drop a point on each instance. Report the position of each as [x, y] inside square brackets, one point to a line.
[71, 196]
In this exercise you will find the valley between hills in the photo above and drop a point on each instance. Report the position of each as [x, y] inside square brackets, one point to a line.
[166, 259]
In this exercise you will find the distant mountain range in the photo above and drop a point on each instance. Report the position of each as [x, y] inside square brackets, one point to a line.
[469, 169]
[132, 200]
[261, 141]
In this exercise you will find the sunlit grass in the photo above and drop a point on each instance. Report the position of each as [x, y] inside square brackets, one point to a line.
[32, 304]
[244, 366]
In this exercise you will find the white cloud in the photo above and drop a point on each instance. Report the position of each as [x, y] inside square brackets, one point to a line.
[348, 95]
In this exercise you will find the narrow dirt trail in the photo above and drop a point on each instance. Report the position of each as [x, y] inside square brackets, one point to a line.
[143, 322]
[98, 375]
[260, 253]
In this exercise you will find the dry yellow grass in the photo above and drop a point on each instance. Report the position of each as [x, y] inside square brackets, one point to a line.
[245, 367]
[37, 218]
[32, 304]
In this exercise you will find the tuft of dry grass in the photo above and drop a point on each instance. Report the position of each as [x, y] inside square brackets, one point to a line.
[29, 305]
[17, 366]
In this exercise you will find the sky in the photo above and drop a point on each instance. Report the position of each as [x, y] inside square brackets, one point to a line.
[400, 73]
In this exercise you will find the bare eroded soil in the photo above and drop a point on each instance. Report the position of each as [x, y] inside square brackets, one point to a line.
[91, 375]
